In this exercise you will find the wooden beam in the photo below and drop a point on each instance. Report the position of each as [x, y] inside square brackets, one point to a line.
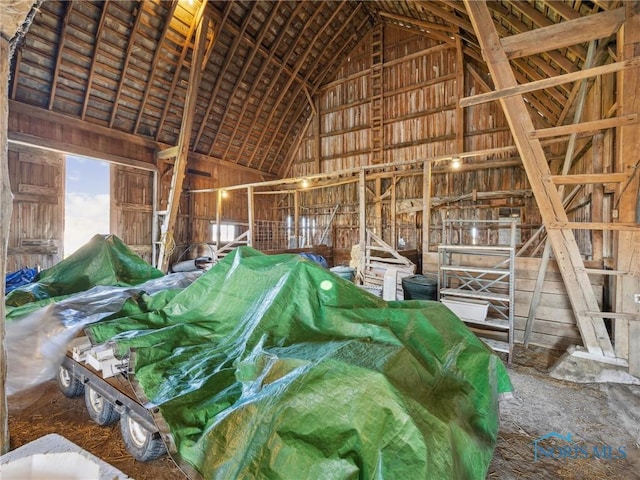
[519, 26]
[180, 166]
[362, 218]
[317, 144]
[539, 21]
[564, 34]
[6, 206]
[165, 153]
[220, 74]
[621, 227]
[460, 94]
[197, 19]
[549, 82]
[247, 62]
[296, 217]
[18, 109]
[250, 216]
[127, 58]
[62, 33]
[154, 62]
[594, 334]
[627, 247]
[426, 208]
[17, 138]
[87, 93]
[592, 126]
[588, 178]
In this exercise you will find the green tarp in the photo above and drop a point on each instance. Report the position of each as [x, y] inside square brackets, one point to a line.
[270, 367]
[104, 260]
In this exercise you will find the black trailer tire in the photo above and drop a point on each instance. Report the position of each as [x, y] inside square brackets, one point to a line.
[142, 444]
[100, 410]
[70, 386]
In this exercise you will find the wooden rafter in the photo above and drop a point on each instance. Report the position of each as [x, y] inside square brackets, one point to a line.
[285, 91]
[273, 60]
[154, 62]
[245, 67]
[286, 165]
[197, 17]
[448, 16]
[272, 85]
[259, 74]
[229, 58]
[562, 9]
[440, 32]
[127, 58]
[292, 100]
[87, 93]
[592, 329]
[62, 35]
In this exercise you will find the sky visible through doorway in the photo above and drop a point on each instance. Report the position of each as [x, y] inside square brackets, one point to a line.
[86, 201]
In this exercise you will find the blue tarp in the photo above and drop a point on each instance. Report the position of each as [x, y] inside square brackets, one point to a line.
[19, 278]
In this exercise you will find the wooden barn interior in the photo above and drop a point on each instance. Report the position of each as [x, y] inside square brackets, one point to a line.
[494, 141]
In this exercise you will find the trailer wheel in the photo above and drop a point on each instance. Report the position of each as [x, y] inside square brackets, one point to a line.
[142, 444]
[70, 386]
[100, 410]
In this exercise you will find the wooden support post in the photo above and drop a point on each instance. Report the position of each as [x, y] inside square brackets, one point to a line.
[296, 218]
[546, 253]
[377, 222]
[180, 166]
[219, 219]
[250, 216]
[318, 139]
[426, 209]
[394, 233]
[627, 333]
[594, 334]
[6, 206]
[597, 197]
[362, 216]
[460, 93]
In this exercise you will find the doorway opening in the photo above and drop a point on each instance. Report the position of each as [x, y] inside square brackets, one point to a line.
[87, 201]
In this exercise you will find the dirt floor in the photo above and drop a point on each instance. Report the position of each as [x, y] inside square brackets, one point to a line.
[594, 414]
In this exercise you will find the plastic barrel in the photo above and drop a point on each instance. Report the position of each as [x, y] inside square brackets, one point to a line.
[419, 287]
[344, 272]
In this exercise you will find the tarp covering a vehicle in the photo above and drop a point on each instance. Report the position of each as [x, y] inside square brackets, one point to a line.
[104, 260]
[272, 367]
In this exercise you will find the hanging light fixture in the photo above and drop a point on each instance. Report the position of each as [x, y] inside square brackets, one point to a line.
[455, 162]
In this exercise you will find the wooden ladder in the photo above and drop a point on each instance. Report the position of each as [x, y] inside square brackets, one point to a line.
[377, 95]
[589, 318]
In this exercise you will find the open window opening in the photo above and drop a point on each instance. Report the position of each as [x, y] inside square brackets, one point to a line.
[87, 201]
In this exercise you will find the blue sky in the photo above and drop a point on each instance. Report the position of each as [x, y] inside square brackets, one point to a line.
[86, 201]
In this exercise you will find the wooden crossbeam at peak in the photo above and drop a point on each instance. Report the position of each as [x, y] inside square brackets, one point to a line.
[564, 34]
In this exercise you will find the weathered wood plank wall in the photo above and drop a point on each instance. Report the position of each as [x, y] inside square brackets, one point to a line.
[421, 122]
[37, 223]
[131, 210]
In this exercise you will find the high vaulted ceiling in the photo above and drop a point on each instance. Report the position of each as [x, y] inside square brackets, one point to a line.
[125, 64]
